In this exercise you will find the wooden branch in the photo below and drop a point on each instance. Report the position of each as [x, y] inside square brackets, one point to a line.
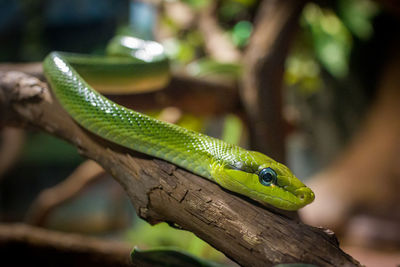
[192, 95]
[261, 86]
[218, 44]
[51, 198]
[11, 143]
[22, 245]
[84, 175]
[246, 232]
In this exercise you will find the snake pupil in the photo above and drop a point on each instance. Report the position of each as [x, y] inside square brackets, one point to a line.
[267, 176]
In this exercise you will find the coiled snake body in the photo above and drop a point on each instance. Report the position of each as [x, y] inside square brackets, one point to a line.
[246, 172]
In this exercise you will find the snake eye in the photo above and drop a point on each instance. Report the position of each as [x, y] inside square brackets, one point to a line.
[267, 176]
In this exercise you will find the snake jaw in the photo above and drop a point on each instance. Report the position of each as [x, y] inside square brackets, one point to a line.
[288, 194]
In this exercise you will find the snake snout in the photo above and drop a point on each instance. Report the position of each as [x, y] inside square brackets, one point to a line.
[305, 194]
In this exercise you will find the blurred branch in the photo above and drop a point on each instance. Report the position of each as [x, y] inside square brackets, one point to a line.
[22, 245]
[11, 143]
[193, 95]
[245, 231]
[261, 86]
[217, 44]
[52, 197]
[391, 6]
[34, 69]
[84, 175]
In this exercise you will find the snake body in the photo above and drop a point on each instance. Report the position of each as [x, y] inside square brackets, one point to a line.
[246, 172]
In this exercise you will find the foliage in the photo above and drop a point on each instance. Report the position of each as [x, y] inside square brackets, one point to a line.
[162, 235]
[170, 257]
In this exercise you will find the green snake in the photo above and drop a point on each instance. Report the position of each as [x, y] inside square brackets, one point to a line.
[249, 173]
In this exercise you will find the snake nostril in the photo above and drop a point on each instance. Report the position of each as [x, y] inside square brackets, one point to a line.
[304, 194]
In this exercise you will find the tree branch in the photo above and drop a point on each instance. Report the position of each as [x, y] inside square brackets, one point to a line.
[22, 245]
[11, 143]
[261, 86]
[245, 231]
[218, 45]
[190, 94]
[51, 198]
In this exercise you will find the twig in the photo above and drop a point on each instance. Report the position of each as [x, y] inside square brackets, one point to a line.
[52, 197]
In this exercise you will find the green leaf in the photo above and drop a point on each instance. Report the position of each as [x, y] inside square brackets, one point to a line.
[358, 15]
[241, 33]
[332, 40]
[170, 257]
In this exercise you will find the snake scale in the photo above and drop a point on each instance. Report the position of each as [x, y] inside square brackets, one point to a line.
[249, 173]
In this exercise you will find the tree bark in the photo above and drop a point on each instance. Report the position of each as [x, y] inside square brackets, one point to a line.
[246, 232]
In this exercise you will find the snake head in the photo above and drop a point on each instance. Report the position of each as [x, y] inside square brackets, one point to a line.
[266, 181]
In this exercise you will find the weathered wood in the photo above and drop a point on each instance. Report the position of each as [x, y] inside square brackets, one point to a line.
[246, 232]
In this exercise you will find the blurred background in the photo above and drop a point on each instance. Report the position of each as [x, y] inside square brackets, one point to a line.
[331, 110]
